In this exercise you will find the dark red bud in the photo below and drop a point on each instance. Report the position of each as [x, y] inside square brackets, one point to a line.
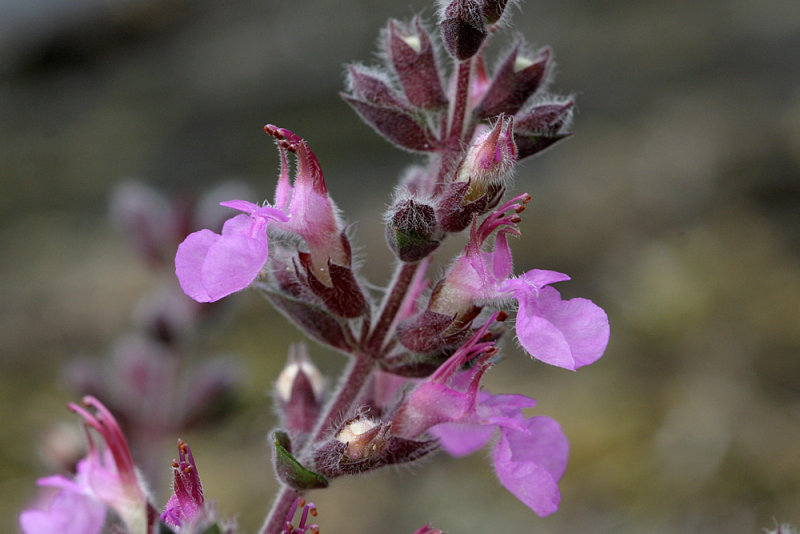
[412, 230]
[454, 214]
[463, 28]
[413, 59]
[515, 81]
[493, 10]
[545, 118]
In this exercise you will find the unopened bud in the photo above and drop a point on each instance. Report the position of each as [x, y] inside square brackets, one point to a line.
[299, 390]
[411, 230]
[489, 160]
[517, 78]
[493, 10]
[463, 28]
[541, 126]
[413, 58]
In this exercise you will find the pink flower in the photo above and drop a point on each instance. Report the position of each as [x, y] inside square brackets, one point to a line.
[105, 479]
[565, 333]
[73, 510]
[531, 454]
[529, 457]
[210, 266]
[447, 395]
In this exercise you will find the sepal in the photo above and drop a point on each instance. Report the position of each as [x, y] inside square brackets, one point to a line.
[397, 126]
[343, 297]
[362, 445]
[372, 86]
[431, 332]
[299, 393]
[311, 319]
[542, 126]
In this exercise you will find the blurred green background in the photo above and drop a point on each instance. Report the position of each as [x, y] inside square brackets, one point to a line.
[676, 207]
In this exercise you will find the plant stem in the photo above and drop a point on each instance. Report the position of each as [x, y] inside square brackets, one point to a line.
[277, 515]
[459, 105]
[452, 146]
[390, 305]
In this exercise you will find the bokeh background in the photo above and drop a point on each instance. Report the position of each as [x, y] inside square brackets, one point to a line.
[676, 207]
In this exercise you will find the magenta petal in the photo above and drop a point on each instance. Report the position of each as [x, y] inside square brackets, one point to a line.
[567, 333]
[430, 404]
[239, 224]
[461, 439]
[541, 278]
[232, 263]
[268, 212]
[69, 512]
[241, 205]
[543, 443]
[541, 339]
[189, 263]
[516, 460]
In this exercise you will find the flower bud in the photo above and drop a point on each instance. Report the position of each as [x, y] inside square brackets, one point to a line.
[542, 126]
[413, 59]
[463, 28]
[518, 77]
[299, 391]
[186, 506]
[411, 230]
[493, 10]
[489, 160]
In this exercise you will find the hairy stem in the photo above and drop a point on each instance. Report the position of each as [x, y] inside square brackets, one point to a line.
[277, 515]
[452, 146]
[390, 306]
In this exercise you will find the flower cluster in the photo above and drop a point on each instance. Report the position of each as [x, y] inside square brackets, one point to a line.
[418, 349]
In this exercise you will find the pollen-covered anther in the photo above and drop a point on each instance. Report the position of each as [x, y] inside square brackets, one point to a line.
[501, 316]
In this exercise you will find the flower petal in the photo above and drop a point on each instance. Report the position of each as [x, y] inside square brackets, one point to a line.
[189, 263]
[543, 443]
[70, 512]
[241, 205]
[461, 439]
[567, 333]
[529, 465]
[232, 263]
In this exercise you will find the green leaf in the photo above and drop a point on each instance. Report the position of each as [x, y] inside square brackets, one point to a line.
[289, 470]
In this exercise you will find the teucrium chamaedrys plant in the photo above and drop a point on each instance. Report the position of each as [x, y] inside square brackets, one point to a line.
[417, 350]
